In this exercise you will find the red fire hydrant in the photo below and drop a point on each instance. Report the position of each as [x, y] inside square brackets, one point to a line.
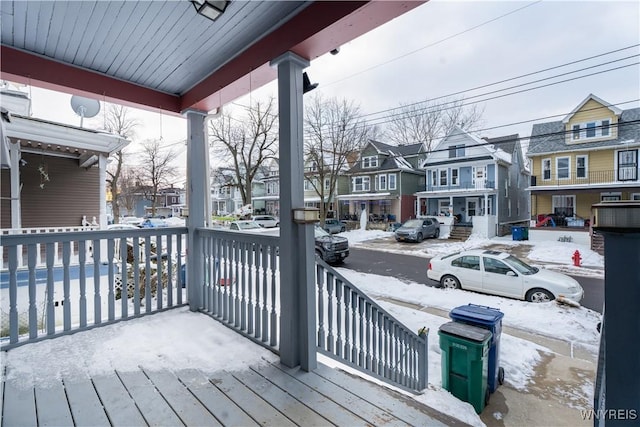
[576, 258]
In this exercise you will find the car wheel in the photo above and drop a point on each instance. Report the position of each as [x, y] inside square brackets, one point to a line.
[539, 295]
[343, 229]
[419, 238]
[277, 224]
[319, 254]
[436, 234]
[501, 375]
[449, 282]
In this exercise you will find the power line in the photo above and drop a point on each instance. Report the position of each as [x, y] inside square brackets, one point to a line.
[434, 43]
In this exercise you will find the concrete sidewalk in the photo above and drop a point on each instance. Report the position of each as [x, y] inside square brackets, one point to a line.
[550, 398]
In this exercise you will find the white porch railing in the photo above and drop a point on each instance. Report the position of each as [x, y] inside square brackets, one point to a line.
[57, 283]
[142, 273]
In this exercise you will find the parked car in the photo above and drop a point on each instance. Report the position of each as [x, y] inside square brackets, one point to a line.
[267, 221]
[153, 223]
[122, 227]
[331, 249]
[500, 273]
[334, 226]
[244, 225]
[415, 230]
[133, 220]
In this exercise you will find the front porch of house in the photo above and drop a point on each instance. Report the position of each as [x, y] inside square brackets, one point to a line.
[62, 283]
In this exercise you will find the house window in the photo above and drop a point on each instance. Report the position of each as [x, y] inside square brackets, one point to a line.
[382, 182]
[307, 185]
[456, 151]
[581, 166]
[576, 132]
[635, 196]
[434, 178]
[361, 183]
[589, 130]
[370, 162]
[610, 196]
[562, 168]
[327, 183]
[546, 169]
[392, 181]
[628, 165]
[563, 205]
[443, 207]
[506, 188]
[454, 177]
[443, 177]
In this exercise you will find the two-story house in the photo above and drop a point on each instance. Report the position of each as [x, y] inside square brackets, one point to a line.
[480, 182]
[382, 183]
[266, 195]
[588, 157]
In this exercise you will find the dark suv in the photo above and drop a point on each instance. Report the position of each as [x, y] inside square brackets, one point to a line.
[331, 249]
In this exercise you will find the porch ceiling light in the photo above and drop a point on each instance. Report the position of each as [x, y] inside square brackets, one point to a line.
[212, 9]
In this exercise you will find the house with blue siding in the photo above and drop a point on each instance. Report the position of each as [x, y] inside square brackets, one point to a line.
[480, 182]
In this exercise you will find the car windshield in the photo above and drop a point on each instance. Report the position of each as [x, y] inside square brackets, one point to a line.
[521, 266]
[413, 223]
[319, 232]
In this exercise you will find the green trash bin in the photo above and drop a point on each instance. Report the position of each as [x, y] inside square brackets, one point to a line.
[465, 362]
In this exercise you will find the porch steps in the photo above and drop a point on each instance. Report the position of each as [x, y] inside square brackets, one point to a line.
[460, 233]
[597, 242]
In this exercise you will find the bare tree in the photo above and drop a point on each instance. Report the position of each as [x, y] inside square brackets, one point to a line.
[333, 131]
[158, 170]
[130, 189]
[118, 120]
[246, 144]
[431, 119]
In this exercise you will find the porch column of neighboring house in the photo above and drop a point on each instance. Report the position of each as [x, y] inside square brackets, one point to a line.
[16, 210]
[297, 284]
[196, 195]
[450, 205]
[102, 221]
[486, 204]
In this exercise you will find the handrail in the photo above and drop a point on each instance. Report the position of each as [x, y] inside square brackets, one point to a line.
[353, 329]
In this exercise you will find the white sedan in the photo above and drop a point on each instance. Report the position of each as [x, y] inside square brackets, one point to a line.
[499, 273]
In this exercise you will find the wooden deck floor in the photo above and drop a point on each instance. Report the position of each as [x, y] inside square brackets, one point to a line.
[269, 395]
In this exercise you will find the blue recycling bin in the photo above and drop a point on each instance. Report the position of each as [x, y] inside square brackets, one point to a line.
[519, 233]
[487, 318]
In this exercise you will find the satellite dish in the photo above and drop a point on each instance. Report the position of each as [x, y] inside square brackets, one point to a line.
[85, 107]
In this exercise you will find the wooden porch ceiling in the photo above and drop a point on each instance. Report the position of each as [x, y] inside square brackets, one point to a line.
[162, 55]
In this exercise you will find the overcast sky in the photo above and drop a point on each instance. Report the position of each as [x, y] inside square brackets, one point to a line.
[449, 47]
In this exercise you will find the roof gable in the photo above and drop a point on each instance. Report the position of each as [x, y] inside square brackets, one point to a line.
[617, 111]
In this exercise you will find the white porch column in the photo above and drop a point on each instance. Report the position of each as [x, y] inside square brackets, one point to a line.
[297, 296]
[197, 186]
[486, 204]
[16, 209]
[102, 170]
[451, 206]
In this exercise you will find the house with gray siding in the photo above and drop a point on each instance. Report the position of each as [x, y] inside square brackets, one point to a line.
[481, 182]
[382, 183]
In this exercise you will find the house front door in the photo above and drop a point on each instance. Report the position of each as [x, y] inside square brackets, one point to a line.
[472, 208]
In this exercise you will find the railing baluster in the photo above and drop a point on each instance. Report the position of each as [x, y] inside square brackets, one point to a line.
[258, 327]
[225, 283]
[330, 327]
[111, 297]
[339, 317]
[160, 281]
[251, 272]
[236, 285]
[66, 285]
[347, 323]
[170, 271]
[374, 335]
[97, 300]
[33, 309]
[274, 315]
[265, 285]
[147, 274]
[354, 327]
[368, 336]
[82, 254]
[243, 296]
[51, 314]
[361, 331]
[179, 267]
[320, 314]
[13, 294]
